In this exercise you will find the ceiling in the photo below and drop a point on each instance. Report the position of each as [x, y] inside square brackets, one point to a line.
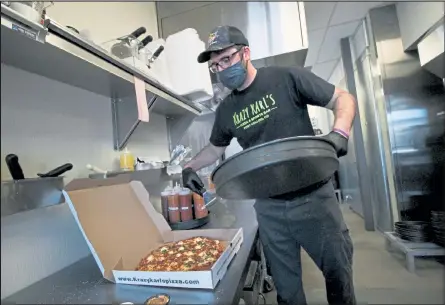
[327, 23]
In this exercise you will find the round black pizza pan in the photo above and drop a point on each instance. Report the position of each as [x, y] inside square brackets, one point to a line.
[276, 168]
[191, 224]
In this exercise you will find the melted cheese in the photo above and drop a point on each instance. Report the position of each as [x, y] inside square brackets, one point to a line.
[202, 254]
[178, 255]
[150, 258]
[198, 247]
[170, 252]
[198, 239]
[190, 253]
[181, 249]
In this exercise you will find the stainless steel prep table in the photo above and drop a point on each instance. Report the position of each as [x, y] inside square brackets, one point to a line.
[82, 282]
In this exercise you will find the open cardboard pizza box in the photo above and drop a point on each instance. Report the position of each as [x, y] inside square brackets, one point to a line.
[121, 226]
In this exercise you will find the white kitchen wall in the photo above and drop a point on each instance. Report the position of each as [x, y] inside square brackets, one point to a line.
[47, 123]
[106, 20]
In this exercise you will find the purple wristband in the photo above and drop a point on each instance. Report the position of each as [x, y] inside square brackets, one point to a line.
[341, 132]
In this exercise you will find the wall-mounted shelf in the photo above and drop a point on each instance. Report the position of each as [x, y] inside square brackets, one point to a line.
[55, 52]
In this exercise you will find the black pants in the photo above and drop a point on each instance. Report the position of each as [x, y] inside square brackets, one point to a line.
[314, 222]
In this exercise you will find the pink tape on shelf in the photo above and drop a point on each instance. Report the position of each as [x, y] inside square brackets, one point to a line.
[141, 99]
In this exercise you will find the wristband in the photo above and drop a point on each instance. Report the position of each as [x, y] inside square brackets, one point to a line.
[341, 132]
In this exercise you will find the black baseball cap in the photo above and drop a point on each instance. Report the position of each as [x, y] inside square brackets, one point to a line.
[222, 38]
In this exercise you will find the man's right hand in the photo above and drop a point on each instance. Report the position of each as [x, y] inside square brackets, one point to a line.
[192, 181]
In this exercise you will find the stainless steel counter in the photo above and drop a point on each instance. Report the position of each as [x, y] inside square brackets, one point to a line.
[82, 282]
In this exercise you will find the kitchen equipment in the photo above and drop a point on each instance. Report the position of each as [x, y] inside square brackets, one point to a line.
[96, 169]
[185, 205]
[144, 42]
[164, 202]
[178, 154]
[155, 55]
[438, 227]
[142, 165]
[24, 9]
[57, 171]
[126, 161]
[414, 231]
[174, 214]
[32, 10]
[127, 44]
[12, 161]
[275, 168]
[192, 224]
[27, 194]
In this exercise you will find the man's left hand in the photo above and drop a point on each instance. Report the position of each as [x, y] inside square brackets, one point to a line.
[340, 142]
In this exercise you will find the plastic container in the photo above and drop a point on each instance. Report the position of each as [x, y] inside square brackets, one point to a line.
[174, 214]
[164, 202]
[188, 77]
[199, 206]
[126, 161]
[185, 204]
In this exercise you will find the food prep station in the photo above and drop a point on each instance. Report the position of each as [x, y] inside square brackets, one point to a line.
[82, 282]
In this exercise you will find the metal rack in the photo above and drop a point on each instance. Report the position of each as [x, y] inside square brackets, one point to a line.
[52, 51]
[412, 249]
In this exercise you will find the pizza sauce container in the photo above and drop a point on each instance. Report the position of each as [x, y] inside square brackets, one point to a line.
[174, 215]
[200, 206]
[185, 205]
[164, 203]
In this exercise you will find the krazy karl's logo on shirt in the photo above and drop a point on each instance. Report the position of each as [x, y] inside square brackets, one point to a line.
[255, 113]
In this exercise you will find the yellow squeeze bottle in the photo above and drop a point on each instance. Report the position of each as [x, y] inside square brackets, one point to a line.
[127, 161]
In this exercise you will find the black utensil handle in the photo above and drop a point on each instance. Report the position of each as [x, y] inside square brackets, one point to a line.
[138, 32]
[57, 171]
[145, 41]
[12, 161]
[158, 52]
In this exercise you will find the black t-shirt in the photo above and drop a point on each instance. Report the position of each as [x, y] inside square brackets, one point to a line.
[273, 107]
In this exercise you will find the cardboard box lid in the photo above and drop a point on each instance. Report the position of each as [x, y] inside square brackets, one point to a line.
[117, 219]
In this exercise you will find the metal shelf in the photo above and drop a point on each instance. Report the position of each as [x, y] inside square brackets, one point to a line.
[59, 57]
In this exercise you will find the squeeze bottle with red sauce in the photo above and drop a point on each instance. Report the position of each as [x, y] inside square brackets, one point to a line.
[185, 204]
[164, 202]
[199, 205]
[174, 215]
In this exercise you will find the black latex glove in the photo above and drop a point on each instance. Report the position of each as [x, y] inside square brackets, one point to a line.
[340, 143]
[192, 181]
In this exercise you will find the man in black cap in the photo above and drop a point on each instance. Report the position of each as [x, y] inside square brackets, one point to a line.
[268, 104]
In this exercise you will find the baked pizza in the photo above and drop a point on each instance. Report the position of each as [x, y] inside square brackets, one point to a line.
[193, 254]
